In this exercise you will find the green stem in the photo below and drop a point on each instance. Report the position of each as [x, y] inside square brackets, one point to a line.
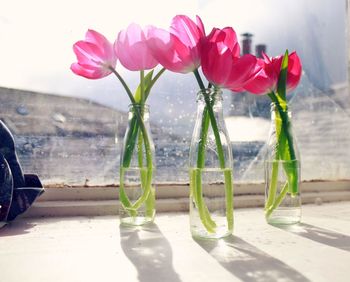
[273, 185]
[216, 133]
[278, 201]
[204, 214]
[291, 173]
[142, 83]
[127, 89]
[229, 197]
[130, 141]
[202, 208]
[124, 198]
[285, 124]
[148, 153]
[284, 139]
[203, 138]
[149, 202]
[140, 159]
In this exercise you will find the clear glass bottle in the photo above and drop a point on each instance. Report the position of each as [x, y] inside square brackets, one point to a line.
[210, 161]
[282, 170]
[137, 167]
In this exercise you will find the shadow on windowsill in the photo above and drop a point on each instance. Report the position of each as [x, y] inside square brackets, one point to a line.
[320, 235]
[150, 252]
[16, 228]
[248, 263]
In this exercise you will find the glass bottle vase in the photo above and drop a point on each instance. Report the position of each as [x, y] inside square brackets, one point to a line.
[137, 190]
[282, 170]
[210, 161]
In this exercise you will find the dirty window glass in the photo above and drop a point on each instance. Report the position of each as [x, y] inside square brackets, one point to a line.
[69, 129]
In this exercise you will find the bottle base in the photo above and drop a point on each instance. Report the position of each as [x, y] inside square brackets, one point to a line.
[218, 234]
[140, 219]
[136, 221]
[284, 216]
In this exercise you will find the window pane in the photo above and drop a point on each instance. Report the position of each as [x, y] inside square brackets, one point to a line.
[69, 129]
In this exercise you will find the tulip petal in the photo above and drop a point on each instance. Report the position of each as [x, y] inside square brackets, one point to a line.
[220, 62]
[186, 30]
[177, 50]
[266, 80]
[95, 56]
[87, 53]
[242, 71]
[261, 84]
[132, 49]
[88, 71]
[294, 71]
[169, 51]
[100, 41]
[216, 65]
[200, 25]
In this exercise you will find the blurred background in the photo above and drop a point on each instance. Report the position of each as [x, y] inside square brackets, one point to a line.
[69, 129]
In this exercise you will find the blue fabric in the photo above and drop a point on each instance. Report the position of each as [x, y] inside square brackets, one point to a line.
[18, 191]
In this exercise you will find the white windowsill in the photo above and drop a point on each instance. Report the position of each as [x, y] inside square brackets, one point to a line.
[98, 249]
[93, 201]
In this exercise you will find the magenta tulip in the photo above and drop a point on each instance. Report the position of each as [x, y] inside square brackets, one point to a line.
[221, 63]
[132, 49]
[95, 56]
[266, 79]
[178, 50]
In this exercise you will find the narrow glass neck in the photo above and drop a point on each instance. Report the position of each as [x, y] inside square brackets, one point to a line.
[212, 96]
[277, 108]
[142, 109]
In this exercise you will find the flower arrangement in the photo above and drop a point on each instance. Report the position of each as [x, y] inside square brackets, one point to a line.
[185, 48]
[97, 58]
[276, 77]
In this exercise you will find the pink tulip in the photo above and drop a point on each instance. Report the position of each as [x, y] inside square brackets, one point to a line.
[178, 50]
[267, 78]
[221, 63]
[95, 56]
[132, 49]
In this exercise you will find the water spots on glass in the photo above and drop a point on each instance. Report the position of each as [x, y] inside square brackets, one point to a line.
[22, 110]
[59, 117]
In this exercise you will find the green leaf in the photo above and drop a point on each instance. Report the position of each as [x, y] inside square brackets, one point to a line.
[282, 80]
[147, 82]
[130, 141]
[153, 81]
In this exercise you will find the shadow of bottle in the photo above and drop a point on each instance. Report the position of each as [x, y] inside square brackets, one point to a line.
[320, 235]
[150, 252]
[248, 263]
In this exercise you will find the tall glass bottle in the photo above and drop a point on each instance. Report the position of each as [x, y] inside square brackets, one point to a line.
[137, 190]
[282, 170]
[210, 161]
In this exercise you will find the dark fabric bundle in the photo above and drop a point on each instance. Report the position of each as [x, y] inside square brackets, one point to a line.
[17, 190]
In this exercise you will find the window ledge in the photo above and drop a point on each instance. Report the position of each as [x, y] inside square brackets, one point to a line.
[93, 201]
[98, 249]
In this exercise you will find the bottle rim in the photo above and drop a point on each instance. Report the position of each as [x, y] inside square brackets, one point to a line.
[140, 106]
[273, 106]
[213, 93]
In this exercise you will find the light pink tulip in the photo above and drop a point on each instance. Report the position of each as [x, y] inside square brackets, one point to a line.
[178, 50]
[266, 79]
[132, 49]
[95, 56]
[221, 63]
